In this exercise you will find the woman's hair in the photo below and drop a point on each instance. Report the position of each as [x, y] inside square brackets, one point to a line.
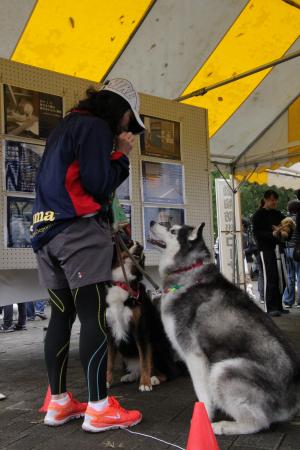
[108, 106]
[262, 203]
[270, 193]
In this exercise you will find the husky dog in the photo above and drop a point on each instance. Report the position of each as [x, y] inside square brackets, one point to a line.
[135, 328]
[238, 359]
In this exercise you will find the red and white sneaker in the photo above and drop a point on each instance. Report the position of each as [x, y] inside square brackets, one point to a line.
[111, 417]
[59, 414]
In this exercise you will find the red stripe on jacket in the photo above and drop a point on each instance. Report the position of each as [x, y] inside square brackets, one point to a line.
[83, 202]
[116, 155]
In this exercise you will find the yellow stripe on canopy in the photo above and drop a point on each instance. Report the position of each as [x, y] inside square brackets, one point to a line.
[257, 177]
[263, 32]
[294, 129]
[79, 38]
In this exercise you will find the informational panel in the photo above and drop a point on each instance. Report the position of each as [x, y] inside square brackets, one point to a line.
[123, 191]
[161, 138]
[19, 217]
[162, 182]
[29, 113]
[229, 233]
[21, 164]
[164, 216]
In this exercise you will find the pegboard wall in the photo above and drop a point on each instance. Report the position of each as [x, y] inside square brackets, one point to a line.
[193, 143]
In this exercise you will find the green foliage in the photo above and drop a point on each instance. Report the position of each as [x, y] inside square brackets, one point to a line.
[251, 195]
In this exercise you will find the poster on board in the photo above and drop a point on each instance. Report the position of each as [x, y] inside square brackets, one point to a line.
[161, 138]
[19, 217]
[29, 113]
[162, 182]
[127, 212]
[123, 191]
[165, 216]
[21, 162]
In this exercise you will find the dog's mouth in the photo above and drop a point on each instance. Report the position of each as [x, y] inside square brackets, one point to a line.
[157, 243]
[155, 240]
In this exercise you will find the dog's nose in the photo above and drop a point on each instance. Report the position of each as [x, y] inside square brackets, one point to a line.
[152, 223]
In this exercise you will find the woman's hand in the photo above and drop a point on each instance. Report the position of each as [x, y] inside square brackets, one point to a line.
[124, 142]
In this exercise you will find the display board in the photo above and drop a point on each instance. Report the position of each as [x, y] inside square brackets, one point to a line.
[169, 164]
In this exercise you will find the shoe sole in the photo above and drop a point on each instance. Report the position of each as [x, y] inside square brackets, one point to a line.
[92, 429]
[41, 316]
[57, 423]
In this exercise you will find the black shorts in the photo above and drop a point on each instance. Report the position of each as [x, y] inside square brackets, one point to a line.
[78, 256]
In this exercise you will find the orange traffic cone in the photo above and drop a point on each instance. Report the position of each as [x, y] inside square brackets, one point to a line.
[44, 408]
[201, 435]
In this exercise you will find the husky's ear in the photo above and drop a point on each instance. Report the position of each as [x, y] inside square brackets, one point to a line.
[196, 235]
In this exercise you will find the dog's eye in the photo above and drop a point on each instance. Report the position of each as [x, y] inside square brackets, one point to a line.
[173, 231]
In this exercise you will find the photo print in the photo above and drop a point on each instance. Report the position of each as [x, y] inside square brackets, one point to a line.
[164, 216]
[30, 114]
[162, 182]
[22, 161]
[19, 217]
[123, 191]
[161, 138]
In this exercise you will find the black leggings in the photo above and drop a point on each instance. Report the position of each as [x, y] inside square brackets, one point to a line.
[89, 303]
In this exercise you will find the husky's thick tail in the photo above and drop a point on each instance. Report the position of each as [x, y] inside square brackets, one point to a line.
[297, 382]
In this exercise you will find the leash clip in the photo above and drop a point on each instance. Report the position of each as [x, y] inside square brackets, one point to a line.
[155, 294]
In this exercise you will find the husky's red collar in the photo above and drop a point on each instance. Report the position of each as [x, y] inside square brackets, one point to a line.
[175, 287]
[187, 269]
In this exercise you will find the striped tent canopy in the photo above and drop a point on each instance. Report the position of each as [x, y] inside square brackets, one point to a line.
[170, 48]
[288, 178]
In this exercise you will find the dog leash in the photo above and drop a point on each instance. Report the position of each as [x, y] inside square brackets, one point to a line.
[137, 265]
[117, 242]
[156, 293]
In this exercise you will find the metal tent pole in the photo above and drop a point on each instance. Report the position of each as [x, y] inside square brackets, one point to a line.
[273, 63]
[234, 246]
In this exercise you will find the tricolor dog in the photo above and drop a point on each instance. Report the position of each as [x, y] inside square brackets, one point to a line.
[238, 359]
[135, 327]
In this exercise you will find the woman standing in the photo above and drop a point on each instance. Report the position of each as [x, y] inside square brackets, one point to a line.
[85, 160]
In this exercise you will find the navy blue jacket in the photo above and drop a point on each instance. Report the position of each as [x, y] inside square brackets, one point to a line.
[77, 175]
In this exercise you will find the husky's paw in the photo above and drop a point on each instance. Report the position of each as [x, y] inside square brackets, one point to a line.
[218, 427]
[129, 378]
[155, 381]
[145, 388]
[224, 427]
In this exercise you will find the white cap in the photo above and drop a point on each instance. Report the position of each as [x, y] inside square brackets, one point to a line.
[125, 89]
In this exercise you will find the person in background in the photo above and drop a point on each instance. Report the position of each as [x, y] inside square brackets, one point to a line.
[293, 267]
[260, 281]
[36, 309]
[249, 246]
[217, 252]
[8, 325]
[263, 220]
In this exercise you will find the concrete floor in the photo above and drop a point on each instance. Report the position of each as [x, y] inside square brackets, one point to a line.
[167, 410]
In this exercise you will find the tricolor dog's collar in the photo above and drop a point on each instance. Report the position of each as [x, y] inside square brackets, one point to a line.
[125, 287]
